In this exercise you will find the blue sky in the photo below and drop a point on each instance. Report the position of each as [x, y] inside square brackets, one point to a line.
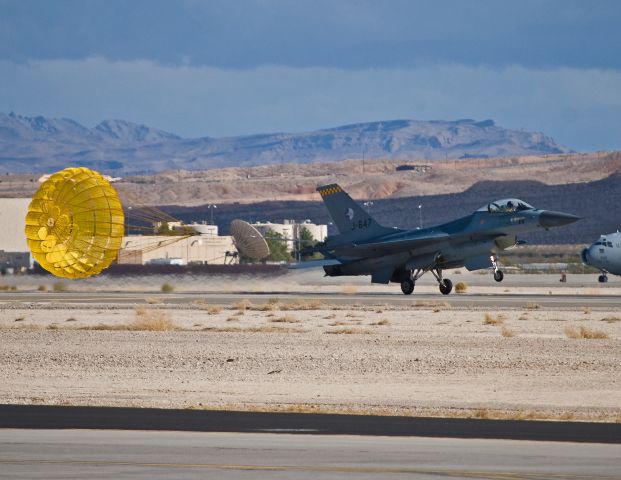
[222, 68]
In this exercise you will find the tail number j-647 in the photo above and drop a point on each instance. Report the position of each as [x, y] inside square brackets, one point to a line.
[360, 224]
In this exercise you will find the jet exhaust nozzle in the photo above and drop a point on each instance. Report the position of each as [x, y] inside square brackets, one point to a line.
[549, 219]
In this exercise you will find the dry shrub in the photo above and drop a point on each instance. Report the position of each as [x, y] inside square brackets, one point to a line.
[285, 319]
[611, 319]
[232, 319]
[524, 415]
[330, 316]
[60, 287]
[489, 319]
[379, 310]
[152, 300]
[350, 331]
[151, 320]
[213, 309]
[313, 304]
[481, 413]
[167, 288]
[524, 316]
[584, 332]
[461, 287]
[5, 288]
[382, 322]
[42, 288]
[71, 319]
[349, 290]
[273, 301]
[532, 306]
[266, 307]
[242, 305]
[507, 332]
[20, 319]
[259, 329]
[341, 323]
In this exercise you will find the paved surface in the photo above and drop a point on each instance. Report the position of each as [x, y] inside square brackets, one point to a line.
[43, 416]
[69, 454]
[456, 300]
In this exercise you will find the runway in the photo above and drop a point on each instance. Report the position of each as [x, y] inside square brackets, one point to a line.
[68, 454]
[467, 300]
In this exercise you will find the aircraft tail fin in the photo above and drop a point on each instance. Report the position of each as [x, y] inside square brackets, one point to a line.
[348, 216]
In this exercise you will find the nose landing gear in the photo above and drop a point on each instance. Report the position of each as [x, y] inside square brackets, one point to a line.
[498, 275]
[603, 278]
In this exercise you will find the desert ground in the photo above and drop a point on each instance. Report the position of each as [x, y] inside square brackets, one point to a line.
[291, 353]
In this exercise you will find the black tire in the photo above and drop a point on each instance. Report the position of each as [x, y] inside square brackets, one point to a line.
[407, 286]
[602, 279]
[446, 286]
[498, 275]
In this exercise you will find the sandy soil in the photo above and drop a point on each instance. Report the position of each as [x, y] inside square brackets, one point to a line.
[429, 359]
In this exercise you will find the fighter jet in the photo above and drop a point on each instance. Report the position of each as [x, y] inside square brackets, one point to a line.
[605, 255]
[364, 247]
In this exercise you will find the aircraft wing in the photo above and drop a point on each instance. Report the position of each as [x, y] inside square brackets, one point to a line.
[391, 246]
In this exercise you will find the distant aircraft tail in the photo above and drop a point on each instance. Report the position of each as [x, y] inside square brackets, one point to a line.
[349, 217]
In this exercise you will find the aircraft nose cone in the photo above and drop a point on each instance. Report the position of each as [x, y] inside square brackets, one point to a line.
[549, 219]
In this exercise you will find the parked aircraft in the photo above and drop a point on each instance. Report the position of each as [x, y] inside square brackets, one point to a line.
[605, 255]
[364, 247]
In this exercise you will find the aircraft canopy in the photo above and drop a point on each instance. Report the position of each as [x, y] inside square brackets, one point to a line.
[508, 205]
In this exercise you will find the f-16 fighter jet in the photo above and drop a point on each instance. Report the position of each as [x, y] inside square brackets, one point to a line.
[364, 247]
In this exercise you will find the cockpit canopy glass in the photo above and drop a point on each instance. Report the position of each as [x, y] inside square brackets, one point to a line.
[508, 205]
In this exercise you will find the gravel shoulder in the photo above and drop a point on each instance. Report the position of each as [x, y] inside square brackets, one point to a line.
[431, 359]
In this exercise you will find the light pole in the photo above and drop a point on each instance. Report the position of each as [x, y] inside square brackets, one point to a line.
[420, 216]
[211, 208]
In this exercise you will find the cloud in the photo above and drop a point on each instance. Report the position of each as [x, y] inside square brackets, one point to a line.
[348, 34]
[580, 108]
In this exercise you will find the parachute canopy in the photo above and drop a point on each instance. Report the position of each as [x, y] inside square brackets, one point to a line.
[75, 223]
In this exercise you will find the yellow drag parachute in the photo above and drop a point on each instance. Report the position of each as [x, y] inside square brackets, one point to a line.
[75, 223]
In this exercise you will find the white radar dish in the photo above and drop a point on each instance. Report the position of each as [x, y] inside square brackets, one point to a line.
[249, 240]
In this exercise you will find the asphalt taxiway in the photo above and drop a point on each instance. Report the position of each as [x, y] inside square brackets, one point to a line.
[466, 300]
[67, 454]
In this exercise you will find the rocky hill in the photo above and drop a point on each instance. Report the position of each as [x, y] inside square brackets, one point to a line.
[117, 147]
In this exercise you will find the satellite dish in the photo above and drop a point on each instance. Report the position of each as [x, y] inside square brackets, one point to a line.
[249, 240]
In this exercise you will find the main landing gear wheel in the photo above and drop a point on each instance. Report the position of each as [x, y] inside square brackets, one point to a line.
[407, 286]
[602, 279]
[446, 286]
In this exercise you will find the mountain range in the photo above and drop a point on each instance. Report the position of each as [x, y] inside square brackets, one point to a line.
[118, 147]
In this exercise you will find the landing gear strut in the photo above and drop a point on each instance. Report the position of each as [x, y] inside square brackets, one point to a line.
[498, 275]
[603, 278]
[445, 284]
